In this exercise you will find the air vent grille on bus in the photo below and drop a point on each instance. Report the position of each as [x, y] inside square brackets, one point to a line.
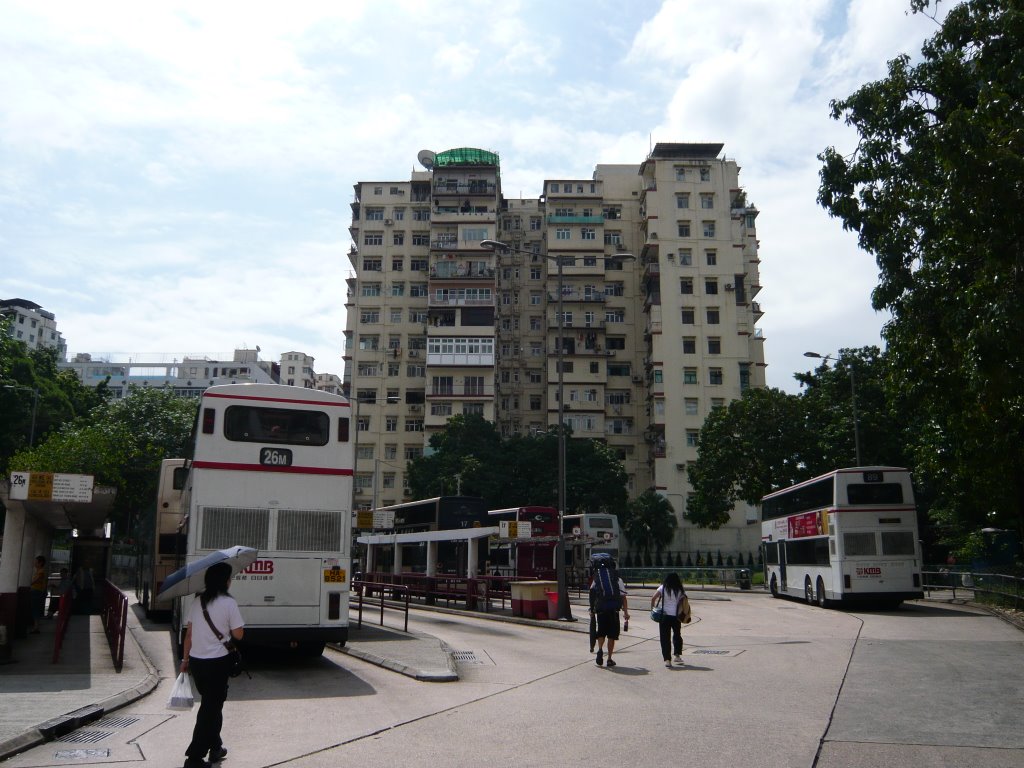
[309, 530]
[227, 526]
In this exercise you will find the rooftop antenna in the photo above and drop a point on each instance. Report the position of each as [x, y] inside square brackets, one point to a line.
[426, 159]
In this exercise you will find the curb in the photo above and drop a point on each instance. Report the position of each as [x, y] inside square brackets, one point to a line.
[448, 676]
[58, 726]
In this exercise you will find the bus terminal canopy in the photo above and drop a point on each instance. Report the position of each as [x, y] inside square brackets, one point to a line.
[461, 534]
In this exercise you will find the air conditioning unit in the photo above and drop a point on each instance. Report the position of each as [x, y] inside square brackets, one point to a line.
[414, 353]
[415, 408]
[638, 379]
[728, 287]
[388, 222]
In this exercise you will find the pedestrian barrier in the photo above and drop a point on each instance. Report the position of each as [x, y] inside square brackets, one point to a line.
[995, 588]
[738, 577]
[115, 621]
[63, 617]
[365, 590]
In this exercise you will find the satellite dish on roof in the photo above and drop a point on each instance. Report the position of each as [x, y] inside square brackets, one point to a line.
[426, 158]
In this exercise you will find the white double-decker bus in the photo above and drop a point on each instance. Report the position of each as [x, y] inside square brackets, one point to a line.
[168, 551]
[272, 470]
[846, 536]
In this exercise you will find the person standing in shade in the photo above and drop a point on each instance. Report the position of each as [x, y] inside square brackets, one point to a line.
[206, 657]
[38, 588]
[670, 594]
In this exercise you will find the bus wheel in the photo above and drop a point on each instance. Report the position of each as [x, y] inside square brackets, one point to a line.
[773, 586]
[821, 593]
[808, 591]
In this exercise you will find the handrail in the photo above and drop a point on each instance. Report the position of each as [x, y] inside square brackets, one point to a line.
[115, 621]
[63, 618]
[359, 585]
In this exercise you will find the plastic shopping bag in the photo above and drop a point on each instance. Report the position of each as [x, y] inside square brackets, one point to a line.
[181, 696]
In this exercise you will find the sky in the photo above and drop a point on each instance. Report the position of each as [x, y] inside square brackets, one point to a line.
[176, 178]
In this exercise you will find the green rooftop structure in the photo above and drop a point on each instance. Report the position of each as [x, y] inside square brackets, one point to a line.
[465, 156]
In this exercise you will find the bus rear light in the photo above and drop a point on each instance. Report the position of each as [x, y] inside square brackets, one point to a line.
[846, 581]
[209, 414]
[334, 606]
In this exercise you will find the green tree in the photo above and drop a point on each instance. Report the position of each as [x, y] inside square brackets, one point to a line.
[933, 191]
[122, 444]
[754, 445]
[649, 521]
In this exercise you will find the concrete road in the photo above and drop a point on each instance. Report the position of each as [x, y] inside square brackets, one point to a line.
[766, 682]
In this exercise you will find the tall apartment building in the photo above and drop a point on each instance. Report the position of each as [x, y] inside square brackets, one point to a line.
[33, 325]
[658, 268]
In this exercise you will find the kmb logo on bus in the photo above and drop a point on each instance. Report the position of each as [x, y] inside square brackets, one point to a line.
[875, 571]
[264, 567]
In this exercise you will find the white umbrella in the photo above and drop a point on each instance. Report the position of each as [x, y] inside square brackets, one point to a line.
[191, 578]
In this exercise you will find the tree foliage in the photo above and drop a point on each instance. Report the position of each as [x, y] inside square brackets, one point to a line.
[649, 521]
[521, 471]
[61, 396]
[934, 192]
[121, 443]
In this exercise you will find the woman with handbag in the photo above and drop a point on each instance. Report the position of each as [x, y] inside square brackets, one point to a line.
[672, 597]
[207, 656]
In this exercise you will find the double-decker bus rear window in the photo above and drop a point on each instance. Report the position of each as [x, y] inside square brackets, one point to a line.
[859, 544]
[249, 424]
[874, 493]
[812, 496]
[897, 543]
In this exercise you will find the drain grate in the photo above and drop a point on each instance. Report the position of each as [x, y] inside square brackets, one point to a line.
[113, 721]
[466, 657]
[87, 737]
[79, 754]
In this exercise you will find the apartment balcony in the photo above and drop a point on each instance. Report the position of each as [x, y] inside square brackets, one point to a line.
[575, 219]
[756, 309]
[460, 392]
[653, 327]
[576, 324]
[594, 351]
[460, 301]
[457, 359]
[450, 270]
[453, 214]
[457, 187]
[569, 294]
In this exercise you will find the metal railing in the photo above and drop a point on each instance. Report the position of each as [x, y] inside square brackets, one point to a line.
[738, 577]
[365, 591]
[115, 621]
[995, 588]
[63, 617]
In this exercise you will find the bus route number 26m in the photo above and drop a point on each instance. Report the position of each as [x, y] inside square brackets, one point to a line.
[275, 457]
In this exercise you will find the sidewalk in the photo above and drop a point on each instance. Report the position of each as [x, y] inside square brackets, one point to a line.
[43, 700]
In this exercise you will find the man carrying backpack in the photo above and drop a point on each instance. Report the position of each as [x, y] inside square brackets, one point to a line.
[607, 598]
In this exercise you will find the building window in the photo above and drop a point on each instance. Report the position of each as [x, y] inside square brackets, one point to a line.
[689, 345]
[712, 315]
[398, 289]
[390, 451]
[709, 229]
[414, 425]
[398, 264]
[420, 238]
[396, 315]
[615, 315]
[618, 369]
[473, 409]
[686, 315]
[418, 265]
[714, 345]
[715, 376]
[373, 238]
[744, 376]
[399, 214]
[686, 285]
[375, 214]
[683, 228]
[690, 406]
[711, 258]
[680, 174]
[588, 233]
[659, 376]
[373, 265]
[398, 238]
[390, 423]
[536, 377]
[440, 409]
[535, 402]
[685, 257]
[369, 316]
[412, 452]
[535, 273]
[707, 201]
[692, 436]
[711, 286]
[683, 200]
[562, 233]
[371, 289]
[705, 174]
[689, 375]
[418, 290]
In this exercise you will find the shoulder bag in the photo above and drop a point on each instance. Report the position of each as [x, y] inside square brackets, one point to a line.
[658, 612]
[236, 656]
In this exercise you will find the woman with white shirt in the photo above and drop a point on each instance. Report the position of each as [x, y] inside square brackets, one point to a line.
[670, 594]
[206, 656]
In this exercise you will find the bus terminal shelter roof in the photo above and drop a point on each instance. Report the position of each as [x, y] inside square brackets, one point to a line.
[460, 534]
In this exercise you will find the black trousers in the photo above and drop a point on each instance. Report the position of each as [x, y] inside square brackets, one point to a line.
[211, 679]
[670, 625]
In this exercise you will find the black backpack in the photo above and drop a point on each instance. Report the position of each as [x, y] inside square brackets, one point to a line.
[605, 594]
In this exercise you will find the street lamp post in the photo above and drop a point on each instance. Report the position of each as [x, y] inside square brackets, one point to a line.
[35, 405]
[853, 401]
[564, 608]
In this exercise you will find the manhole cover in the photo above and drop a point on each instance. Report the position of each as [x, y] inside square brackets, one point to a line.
[79, 754]
[88, 737]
